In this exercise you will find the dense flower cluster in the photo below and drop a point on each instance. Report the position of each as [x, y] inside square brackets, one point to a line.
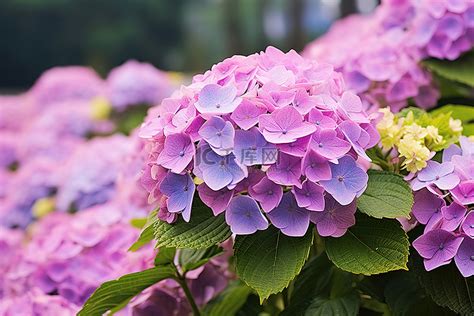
[136, 83]
[443, 202]
[417, 135]
[380, 54]
[269, 132]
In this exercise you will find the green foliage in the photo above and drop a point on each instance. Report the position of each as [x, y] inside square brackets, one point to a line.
[369, 247]
[268, 260]
[460, 70]
[322, 289]
[146, 235]
[405, 297]
[116, 293]
[446, 286]
[387, 195]
[230, 301]
[202, 231]
[190, 259]
[465, 113]
[165, 256]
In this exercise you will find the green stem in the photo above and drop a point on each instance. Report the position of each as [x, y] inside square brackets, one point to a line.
[182, 281]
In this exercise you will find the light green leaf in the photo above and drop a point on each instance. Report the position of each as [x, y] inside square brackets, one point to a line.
[203, 230]
[229, 301]
[465, 113]
[165, 256]
[268, 260]
[460, 70]
[369, 247]
[116, 293]
[387, 196]
[190, 259]
[447, 287]
[146, 235]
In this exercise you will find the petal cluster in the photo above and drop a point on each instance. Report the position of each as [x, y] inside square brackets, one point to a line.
[269, 138]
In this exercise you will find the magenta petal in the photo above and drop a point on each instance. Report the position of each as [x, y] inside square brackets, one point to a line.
[287, 170]
[465, 258]
[177, 153]
[453, 215]
[326, 143]
[464, 192]
[439, 245]
[268, 193]
[247, 113]
[316, 167]
[216, 200]
[426, 205]
[310, 196]
[467, 225]
[335, 219]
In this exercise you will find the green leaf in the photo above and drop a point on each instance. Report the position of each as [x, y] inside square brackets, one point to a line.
[369, 247]
[268, 260]
[203, 230]
[230, 301]
[387, 196]
[165, 256]
[460, 70]
[446, 286]
[190, 259]
[346, 305]
[113, 294]
[138, 222]
[465, 113]
[405, 297]
[146, 235]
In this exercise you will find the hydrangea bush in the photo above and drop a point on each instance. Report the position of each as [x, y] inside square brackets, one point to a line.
[272, 184]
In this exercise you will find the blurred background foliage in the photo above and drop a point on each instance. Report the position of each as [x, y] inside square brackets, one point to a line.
[178, 35]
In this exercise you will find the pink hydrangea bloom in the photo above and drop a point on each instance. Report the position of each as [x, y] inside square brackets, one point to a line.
[254, 127]
[135, 83]
[379, 54]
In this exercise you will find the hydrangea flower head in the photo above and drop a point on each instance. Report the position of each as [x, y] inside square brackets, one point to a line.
[266, 137]
[386, 70]
[135, 83]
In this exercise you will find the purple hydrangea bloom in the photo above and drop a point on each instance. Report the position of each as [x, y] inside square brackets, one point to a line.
[441, 175]
[219, 171]
[251, 148]
[219, 134]
[326, 143]
[216, 200]
[427, 208]
[438, 247]
[467, 225]
[177, 153]
[464, 258]
[347, 182]
[291, 219]
[247, 113]
[216, 99]
[268, 193]
[464, 192]
[316, 167]
[244, 217]
[453, 215]
[310, 196]
[286, 171]
[284, 125]
[180, 192]
[335, 219]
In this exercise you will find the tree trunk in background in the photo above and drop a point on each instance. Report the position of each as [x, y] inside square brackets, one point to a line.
[347, 7]
[296, 39]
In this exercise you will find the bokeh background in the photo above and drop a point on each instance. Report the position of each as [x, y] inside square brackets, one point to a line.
[180, 35]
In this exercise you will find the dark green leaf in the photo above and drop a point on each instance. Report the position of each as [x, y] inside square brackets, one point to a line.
[165, 256]
[371, 246]
[229, 301]
[268, 260]
[190, 259]
[460, 70]
[387, 196]
[113, 294]
[447, 287]
[146, 235]
[203, 230]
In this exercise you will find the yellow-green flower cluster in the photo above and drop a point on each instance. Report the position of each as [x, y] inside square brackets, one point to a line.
[416, 135]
